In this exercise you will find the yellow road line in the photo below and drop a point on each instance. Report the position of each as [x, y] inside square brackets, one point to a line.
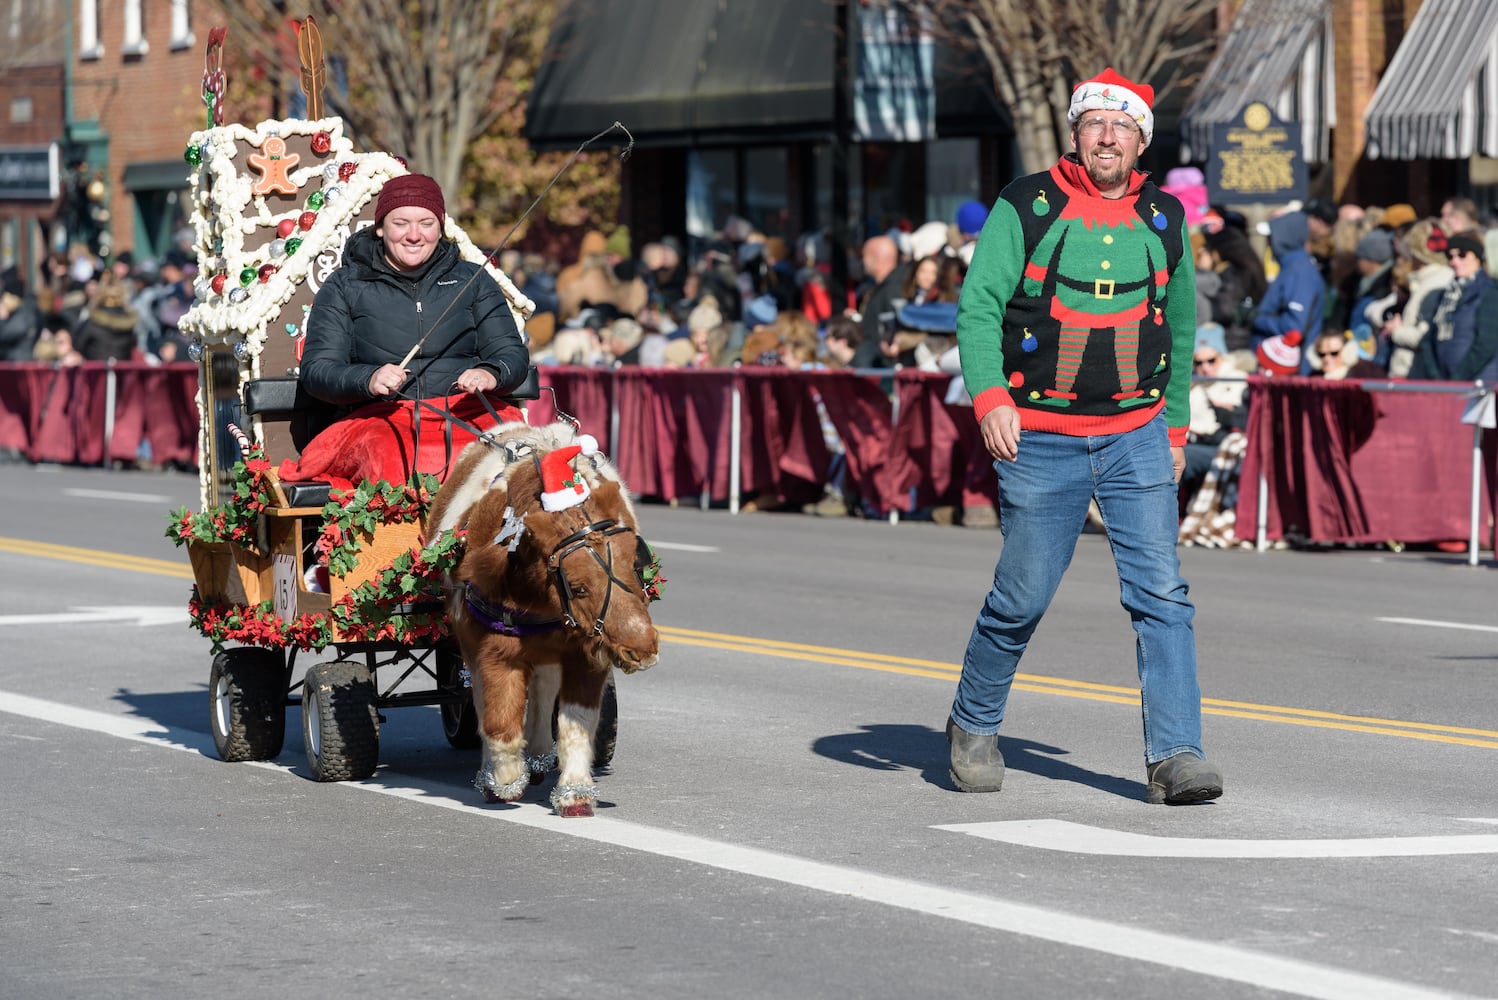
[909, 666]
[1088, 690]
[91, 557]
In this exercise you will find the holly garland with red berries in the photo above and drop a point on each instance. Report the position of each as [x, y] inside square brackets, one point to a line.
[402, 603]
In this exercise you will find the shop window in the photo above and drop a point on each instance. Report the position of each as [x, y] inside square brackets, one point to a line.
[135, 30]
[952, 176]
[766, 196]
[181, 25]
[88, 30]
[712, 190]
[21, 110]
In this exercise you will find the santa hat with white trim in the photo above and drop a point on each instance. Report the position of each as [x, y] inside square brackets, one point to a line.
[1109, 91]
[562, 486]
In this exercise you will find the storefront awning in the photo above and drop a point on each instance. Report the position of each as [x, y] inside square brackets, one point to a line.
[691, 72]
[156, 175]
[1438, 98]
[1278, 52]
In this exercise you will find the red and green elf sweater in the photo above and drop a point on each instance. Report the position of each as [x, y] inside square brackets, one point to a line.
[1056, 256]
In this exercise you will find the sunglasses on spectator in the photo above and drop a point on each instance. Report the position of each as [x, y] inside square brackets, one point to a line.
[1207, 361]
[1329, 354]
[1454, 254]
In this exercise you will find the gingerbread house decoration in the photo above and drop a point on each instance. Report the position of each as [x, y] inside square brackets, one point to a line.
[271, 209]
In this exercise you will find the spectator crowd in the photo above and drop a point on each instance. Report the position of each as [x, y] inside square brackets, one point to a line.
[1316, 290]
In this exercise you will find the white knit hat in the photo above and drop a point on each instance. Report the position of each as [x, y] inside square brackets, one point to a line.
[1108, 91]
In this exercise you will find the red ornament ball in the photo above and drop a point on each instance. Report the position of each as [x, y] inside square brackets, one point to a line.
[285, 228]
[266, 270]
[217, 283]
[1016, 380]
[346, 170]
[321, 143]
[306, 221]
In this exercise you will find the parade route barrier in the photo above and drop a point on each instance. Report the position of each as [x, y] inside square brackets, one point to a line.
[1328, 462]
[99, 413]
[1368, 462]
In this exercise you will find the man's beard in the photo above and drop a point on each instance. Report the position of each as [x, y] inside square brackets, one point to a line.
[1108, 174]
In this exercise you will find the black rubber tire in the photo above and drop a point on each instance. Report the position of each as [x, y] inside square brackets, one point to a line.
[460, 719]
[607, 734]
[247, 703]
[340, 721]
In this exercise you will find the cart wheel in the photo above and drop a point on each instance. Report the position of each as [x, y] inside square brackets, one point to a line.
[460, 720]
[247, 703]
[340, 724]
[607, 733]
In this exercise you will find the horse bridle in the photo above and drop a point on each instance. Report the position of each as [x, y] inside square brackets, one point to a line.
[579, 540]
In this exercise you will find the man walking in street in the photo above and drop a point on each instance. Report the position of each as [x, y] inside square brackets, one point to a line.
[1076, 330]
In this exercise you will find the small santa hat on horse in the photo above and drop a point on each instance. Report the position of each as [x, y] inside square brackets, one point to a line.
[562, 486]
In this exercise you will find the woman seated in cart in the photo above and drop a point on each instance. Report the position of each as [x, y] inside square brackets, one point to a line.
[403, 320]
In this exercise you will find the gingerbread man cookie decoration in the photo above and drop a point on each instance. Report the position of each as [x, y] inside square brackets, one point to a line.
[273, 161]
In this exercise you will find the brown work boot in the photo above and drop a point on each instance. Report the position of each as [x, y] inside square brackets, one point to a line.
[976, 764]
[980, 516]
[1183, 778]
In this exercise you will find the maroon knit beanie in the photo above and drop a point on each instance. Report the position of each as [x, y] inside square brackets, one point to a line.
[408, 190]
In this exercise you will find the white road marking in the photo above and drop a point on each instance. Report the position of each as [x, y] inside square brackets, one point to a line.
[1078, 838]
[682, 546]
[1430, 623]
[153, 498]
[1259, 969]
[141, 616]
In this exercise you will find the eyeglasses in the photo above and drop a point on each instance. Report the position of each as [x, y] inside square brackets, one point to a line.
[1455, 254]
[1206, 361]
[1122, 128]
[1329, 354]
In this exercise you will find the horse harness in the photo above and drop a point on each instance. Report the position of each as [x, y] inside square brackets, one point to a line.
[515, 622]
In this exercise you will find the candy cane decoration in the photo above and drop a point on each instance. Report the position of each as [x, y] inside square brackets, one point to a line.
[213, 76]
[241, 438]
[314, 75]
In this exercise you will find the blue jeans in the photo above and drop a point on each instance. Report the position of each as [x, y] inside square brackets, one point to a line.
[1043, 500]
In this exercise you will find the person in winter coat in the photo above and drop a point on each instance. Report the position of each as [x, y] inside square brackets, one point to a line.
[1295, 299]
[1240, 287]
[20, 320]
[108, 329]
[1461, 340]
[1425, 247]
[401, 281]
[403, 286]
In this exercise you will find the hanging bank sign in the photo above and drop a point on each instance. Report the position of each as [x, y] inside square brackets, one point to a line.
[29, 173]
[1256, 158]
[894, 90]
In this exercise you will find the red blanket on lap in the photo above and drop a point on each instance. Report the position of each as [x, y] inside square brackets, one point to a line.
[380, 441]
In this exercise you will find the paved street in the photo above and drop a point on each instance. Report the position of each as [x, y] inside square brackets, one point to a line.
[778, 821]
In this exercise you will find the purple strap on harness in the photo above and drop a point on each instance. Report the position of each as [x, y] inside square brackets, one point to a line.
[505, 620]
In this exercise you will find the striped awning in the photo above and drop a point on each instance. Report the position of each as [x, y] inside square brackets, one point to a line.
[1438, 98]
[1278, 52]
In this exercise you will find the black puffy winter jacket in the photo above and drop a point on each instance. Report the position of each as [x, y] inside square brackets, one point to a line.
[368, 314]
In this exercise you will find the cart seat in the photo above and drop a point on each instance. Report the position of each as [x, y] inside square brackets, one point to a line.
[284, 399]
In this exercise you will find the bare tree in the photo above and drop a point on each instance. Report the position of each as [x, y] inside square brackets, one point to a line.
[1038, 50]
[36, 33]
[420, 73]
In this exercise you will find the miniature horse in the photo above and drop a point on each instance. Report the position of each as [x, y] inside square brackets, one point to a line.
[546, 601]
